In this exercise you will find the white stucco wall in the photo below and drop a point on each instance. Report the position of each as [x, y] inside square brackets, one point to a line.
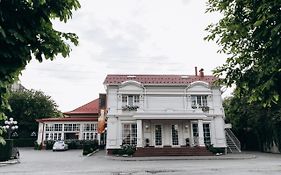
[162, 99]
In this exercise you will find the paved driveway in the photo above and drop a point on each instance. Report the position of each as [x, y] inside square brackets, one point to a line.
[72, 162]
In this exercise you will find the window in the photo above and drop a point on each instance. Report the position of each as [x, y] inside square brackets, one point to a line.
[76, 127]
[89, 135]
[58, 127]
[198, 101]
[195, 133]
[175, 135]
[47, 136]
[67, 127]
[207, 134]
[124, 99]
[49, 127]
[136, 99]
[158, 135]
[130, 100]
[71, 127]
[129, 133]
[90, 127]
[90, 131]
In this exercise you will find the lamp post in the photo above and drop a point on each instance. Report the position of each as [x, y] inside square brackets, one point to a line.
[10, 125]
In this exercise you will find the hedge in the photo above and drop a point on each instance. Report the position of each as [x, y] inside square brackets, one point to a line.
[90, 146]
[6, 150]
[24, 142]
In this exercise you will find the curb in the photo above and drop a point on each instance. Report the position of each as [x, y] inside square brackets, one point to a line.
[92, 153]
[222, 157]
[10, 162]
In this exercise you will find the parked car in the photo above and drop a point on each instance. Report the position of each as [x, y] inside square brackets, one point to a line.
[15, 153]
[60, 146]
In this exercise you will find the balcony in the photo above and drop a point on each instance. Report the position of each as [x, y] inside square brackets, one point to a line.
[203, 108]
[130, 108]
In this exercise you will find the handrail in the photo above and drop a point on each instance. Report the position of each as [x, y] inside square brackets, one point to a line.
[233, 138]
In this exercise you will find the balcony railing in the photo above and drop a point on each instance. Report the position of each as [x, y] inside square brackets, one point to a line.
[129, 108]
[204, 108]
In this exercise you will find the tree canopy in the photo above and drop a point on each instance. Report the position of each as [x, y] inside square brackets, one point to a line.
[258, 127]
[26, 32]
[250, 34]
[29, 105]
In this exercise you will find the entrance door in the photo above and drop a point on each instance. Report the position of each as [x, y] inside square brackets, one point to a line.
[158, 135]
[175, 135]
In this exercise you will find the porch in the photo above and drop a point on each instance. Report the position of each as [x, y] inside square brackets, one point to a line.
[173, 133]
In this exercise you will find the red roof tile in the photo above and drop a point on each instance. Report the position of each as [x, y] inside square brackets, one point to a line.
[63, 119]
[89, 108]
[158, 79]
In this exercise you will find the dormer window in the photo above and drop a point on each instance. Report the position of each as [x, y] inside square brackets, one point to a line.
[130, 102]
[199, 101]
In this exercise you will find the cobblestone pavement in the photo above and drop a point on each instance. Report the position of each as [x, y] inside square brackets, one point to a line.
[71, 162]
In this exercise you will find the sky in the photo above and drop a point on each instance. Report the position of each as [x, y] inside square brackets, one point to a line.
[125, 37]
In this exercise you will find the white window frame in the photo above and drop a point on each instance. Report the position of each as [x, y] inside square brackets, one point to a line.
[210, 133]
[129, 136]
[89, 131]
[135, 99]
[176, 126]
[195, 138]
[154, 133]
[199, 101]
[71, 127]
[50, 135]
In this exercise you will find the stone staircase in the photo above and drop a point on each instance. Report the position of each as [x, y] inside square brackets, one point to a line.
[172, 151]
[233, 144]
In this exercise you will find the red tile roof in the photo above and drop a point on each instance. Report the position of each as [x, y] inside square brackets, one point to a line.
[89, 108]
[158, 79]
[63, 119]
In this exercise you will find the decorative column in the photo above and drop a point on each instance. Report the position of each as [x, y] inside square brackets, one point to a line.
[139, 133]
[201, 133]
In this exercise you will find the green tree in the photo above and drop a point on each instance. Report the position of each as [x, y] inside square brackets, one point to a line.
[257, 126]
[250, 33]
[26, 32]
[29, 105]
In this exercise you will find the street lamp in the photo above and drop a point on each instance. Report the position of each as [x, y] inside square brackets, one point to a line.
[11, 125]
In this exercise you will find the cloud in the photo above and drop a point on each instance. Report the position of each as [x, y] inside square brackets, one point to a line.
[126, 36]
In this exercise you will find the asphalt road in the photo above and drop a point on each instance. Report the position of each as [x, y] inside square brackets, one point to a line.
[71, 162]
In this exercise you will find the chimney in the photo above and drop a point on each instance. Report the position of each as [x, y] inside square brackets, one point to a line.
[201, 72]
[196, 71]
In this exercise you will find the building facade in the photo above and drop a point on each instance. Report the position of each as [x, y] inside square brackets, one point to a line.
[164, 111]
[78, 124]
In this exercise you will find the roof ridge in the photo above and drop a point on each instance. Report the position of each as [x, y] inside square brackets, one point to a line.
[87, 105]
[156, 75]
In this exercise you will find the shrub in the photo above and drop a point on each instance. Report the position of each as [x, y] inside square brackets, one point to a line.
[125, 150]
[90, 146]
[215, 150]
[49, 144]
[37, 146]
[129, 149]
[24, 142]
[115, 151]
[6, 150]
[74, 144]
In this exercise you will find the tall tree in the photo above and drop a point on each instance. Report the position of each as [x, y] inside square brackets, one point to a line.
[250, 33]
[258, 127]
[26, 32]
[29, 105]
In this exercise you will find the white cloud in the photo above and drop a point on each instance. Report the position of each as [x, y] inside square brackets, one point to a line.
[125, 36]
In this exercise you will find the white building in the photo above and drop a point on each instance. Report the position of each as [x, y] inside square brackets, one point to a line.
[164, 111]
